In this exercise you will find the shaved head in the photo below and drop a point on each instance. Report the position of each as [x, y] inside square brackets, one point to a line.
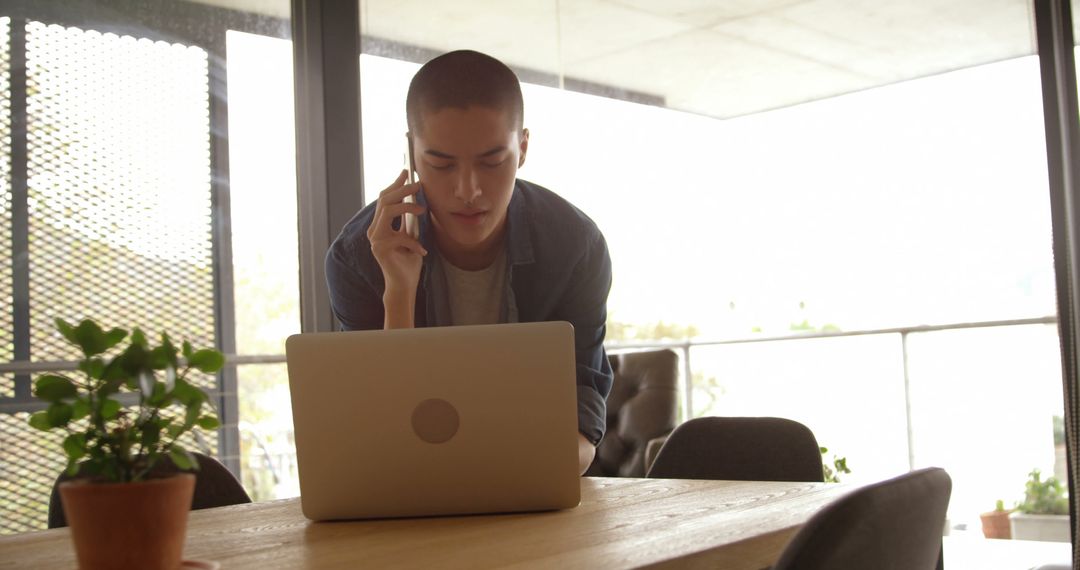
[462, 79]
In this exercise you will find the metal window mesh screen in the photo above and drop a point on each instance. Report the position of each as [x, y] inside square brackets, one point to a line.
[31, 462]
[119, 186]
[7, 337]
[119, 200]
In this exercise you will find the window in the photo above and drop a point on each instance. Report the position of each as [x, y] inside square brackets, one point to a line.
[125, 198]
[783, 169]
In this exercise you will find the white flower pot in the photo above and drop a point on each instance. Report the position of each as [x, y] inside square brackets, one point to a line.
[1048, 528]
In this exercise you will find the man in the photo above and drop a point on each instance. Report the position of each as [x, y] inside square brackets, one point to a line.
[491, 248]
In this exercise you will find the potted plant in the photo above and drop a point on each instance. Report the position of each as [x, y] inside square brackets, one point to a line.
[995, 524]
[1044, 513]
[123, 417]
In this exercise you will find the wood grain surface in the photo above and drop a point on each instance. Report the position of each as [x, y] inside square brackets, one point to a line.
[621, 523]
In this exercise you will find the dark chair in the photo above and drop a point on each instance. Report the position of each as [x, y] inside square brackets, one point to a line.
[740, 449]
[643, 405]
[896, 524]
[215, 486]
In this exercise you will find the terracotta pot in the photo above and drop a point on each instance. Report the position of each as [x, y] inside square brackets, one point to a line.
[129, 525]
[995, 524]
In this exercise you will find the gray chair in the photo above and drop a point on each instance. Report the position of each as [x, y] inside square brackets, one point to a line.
[891, 525]
[740, 449]
[642, 406]
[215, 486]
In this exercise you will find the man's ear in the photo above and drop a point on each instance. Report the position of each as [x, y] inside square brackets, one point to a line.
[523, 146]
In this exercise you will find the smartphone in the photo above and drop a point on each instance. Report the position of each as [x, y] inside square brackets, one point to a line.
[412, 225]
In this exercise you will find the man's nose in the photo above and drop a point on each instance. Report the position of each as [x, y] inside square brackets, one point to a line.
[468, 186]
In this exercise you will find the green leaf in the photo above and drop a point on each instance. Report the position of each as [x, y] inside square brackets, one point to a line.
[80, 409]
[151, 435]
[113, 337]
[54, 388]
[187, 350]
[109, 409]
[59, 414]
[72, 468]
[75, 446]
[94, 368]
[159, 358]
[138, 338]
[207, 360]
[174, 430]
[90, 337]
[158, 397]
[169, 349]
[192, 415]
[109, 388]
[187, 394]
[209, 422]
[40, 420]
[182, 458]
[67, 331]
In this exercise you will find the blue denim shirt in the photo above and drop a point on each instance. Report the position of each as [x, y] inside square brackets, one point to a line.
[559, 270]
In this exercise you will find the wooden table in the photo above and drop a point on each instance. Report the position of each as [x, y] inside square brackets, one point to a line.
[620, 523]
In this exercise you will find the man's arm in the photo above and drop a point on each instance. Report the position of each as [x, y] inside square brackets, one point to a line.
[354, 301]
[584, 305]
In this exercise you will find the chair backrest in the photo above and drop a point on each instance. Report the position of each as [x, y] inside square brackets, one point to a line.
[215, 486]
[896, 524]
[740, 449]
[642, 405]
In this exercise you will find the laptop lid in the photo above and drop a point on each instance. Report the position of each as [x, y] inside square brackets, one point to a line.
[435, 421]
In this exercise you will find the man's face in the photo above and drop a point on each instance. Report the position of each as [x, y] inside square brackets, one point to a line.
[468, 160]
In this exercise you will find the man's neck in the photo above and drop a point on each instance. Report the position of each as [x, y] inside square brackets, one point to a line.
[472, 258]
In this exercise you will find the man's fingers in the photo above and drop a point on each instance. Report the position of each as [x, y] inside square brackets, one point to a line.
[394, 210]
[398, 192]
[397, 241]
[400, 180]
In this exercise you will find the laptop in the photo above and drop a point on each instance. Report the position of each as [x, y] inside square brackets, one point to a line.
[435, 421]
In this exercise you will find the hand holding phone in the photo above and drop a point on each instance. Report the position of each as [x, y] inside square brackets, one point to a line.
[412, 225]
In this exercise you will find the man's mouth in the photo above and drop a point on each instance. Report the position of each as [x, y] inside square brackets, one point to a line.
[471, 217]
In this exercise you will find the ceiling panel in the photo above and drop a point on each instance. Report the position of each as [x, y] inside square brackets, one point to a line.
[740, 79]
[523, 33]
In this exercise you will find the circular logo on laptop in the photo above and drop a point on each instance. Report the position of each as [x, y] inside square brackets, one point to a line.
[435, 420]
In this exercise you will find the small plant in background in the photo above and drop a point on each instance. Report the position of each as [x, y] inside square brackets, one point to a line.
[1041, 497]
[832, 472]
[111, 443]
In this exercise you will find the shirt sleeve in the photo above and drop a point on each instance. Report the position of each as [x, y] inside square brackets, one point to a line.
[585, 307]
[353, 299]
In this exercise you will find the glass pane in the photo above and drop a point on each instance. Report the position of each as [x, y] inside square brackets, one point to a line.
[848, 391]
[151, 190]
[267, 446]
[765, 169]
[984, 405]
[262, 171]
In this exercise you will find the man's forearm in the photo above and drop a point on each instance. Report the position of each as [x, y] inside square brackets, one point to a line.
[399, 310]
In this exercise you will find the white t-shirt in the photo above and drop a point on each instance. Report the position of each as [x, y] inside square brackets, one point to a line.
[476, 297]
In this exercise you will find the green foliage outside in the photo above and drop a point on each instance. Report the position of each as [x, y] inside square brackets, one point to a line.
[1044, 497]
[662, 331]
[106, 441]
[832, 471]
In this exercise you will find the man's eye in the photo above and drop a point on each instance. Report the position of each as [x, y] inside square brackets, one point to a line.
[441, 166]
[494, 164]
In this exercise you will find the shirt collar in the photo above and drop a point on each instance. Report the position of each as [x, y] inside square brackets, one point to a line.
[519, 248]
